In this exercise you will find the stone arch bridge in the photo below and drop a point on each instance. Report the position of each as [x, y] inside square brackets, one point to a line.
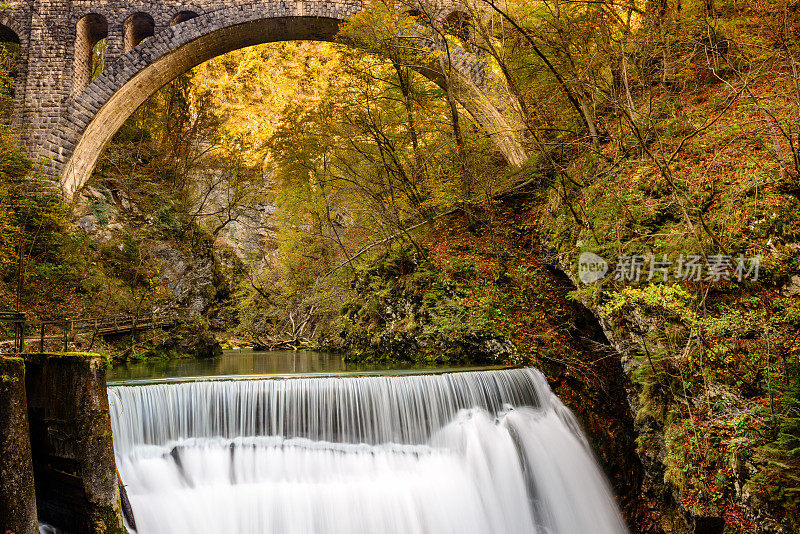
[65, 117]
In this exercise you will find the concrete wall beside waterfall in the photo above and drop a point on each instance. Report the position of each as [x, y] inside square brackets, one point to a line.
[72, 450]
[17, 499]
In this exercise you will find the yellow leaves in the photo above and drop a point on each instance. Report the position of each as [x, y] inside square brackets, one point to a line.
[252, 88]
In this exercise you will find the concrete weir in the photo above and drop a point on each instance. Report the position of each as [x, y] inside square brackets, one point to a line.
[73, 454]
[64, 469]
[17, 498]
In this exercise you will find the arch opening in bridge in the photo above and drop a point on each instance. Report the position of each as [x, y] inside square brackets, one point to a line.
[459, 25]
[136, 29]
[7, 35]
[182, 16]
[9, 64]
[89, 55]
[135, 76]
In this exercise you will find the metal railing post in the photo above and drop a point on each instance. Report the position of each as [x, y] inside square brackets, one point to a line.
[17, 336]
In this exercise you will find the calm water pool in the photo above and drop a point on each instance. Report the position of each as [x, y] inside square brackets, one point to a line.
[244, 363]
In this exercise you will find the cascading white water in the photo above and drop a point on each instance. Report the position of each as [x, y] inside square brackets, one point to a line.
[489, 452]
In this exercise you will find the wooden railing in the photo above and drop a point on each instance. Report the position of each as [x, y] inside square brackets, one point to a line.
[67, 329]
[122, 323]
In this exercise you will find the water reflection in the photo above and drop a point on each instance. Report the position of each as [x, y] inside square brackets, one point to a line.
[245, 362]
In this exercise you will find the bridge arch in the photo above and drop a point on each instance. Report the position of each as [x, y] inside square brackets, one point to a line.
[95, 114]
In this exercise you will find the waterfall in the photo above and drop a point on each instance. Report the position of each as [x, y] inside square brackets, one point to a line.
[485, 452]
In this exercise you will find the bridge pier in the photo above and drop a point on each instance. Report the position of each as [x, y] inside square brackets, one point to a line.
[17, 498]
[71, 446]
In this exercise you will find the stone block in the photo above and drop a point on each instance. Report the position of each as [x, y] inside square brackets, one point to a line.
[72, 449]
[17, 495]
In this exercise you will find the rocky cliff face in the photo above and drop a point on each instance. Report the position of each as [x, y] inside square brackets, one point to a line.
[191, 278]
[193, 272]
[250, 236]
[658, 495]
[660, 506]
